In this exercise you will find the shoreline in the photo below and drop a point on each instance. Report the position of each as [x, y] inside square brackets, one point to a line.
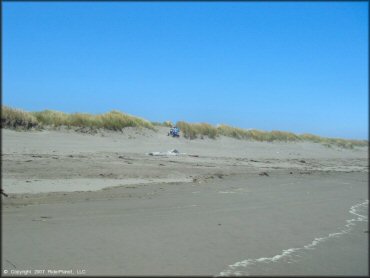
[236, 218]
[118, 207]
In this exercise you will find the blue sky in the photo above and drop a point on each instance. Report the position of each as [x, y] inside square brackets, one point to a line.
[293, 66]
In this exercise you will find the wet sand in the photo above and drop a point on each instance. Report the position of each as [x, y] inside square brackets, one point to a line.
[208, 212]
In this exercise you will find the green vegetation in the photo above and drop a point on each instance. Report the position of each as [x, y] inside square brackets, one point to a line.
[256, 135]
[196, 130]
[16, 118]
[115, 120]
[191, 131]
[165, 123]
[328, 142]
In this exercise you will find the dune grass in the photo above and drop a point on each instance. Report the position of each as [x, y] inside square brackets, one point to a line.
[257, 135]
[165, 124]
[196, 130]
[116, 120]
[328, 142]
[113, 120]
[17, 118]
[191, 131]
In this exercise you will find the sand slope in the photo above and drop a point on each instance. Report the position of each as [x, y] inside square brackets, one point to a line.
[66, 160]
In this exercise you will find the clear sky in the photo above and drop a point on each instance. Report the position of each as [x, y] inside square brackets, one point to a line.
[293, 66]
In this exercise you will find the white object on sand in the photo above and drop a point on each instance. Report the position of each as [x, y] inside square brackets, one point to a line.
[171, 152]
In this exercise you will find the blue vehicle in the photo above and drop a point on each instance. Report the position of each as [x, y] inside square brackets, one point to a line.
[174, 132]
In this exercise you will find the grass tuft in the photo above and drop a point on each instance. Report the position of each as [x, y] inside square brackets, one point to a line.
[17, 118]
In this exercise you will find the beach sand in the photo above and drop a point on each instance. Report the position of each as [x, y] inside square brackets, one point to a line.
[100, 204]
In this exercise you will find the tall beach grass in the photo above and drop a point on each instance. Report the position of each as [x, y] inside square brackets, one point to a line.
[17, 118]
[192, 131]
[196, 130]
[113, 120]
[116, 120]
[165, 124]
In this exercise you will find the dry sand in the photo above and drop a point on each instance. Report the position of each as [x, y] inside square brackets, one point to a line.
[101, 205]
